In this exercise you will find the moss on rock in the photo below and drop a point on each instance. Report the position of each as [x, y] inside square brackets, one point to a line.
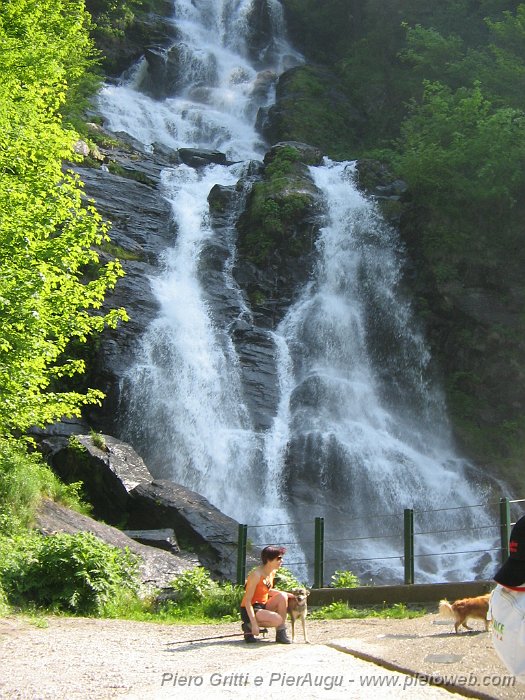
[310, 107]
[276, 220]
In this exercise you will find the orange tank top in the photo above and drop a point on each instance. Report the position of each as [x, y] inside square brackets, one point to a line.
[260, 595]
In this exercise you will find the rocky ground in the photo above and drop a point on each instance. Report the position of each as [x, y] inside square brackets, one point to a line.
[73, 658]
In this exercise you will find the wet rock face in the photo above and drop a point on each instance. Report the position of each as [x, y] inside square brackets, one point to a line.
[277, 231]
[260, 38]
[128, 194]
[274, 257]
[148, 28]
[165, 76]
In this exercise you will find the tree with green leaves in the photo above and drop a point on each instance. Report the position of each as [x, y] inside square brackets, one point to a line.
[463, 159]
[51, 283]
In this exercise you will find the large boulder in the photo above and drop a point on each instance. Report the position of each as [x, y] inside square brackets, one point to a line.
[200, 157]
[162, 503]
[108, 468]
[121, 490]
[157, 568]
[278, 229]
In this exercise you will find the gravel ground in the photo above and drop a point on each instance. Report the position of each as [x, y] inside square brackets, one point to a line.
[98, 659]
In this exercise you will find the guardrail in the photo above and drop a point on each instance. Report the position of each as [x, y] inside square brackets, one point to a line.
[409, 536]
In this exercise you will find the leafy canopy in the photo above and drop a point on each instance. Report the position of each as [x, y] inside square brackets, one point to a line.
[456, 147]
[47, 232]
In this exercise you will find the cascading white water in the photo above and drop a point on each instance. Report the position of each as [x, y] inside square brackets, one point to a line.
[358, 424]
[186, 410]
[366, 429]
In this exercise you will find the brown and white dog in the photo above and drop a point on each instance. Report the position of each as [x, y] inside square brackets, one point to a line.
[297, 609]
[461, 610]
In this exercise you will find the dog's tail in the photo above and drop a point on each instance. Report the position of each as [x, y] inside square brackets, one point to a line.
[445, 609]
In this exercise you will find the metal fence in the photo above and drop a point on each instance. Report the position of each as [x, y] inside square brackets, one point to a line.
[403, 533]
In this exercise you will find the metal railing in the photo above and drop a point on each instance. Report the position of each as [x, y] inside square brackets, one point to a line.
[410, 537]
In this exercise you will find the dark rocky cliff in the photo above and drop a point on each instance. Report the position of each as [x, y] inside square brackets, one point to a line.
[474, 324]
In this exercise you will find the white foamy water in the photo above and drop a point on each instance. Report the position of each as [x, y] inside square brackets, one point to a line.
[363, 424]
[359, 432]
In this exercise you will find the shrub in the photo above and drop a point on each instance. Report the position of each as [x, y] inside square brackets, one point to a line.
[192, 586]
[223, 601]
[98, 440]
[199, 598]
[24, 479]
[285, 580]
[344, 579]
[76, 573]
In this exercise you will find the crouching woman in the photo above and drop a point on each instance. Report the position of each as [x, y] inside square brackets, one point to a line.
[262, 604]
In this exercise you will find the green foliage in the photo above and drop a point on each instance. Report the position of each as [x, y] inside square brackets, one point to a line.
[4, 605]
[98, 440]
[274, 208]
[322, 29]
[342, 611]
[431, 55]
[464, 162]
[313, 109]
[285, 580]
[130, 174]
[282, 164]
[223, 602]
[46, 47]
[344, 579]
[193, 585]
[47, 234]
[75, 573]
[116, 251]
[456, 147]
[112, 18]
[24, 479]
[127, 604]
[75, 444]
[199, 598]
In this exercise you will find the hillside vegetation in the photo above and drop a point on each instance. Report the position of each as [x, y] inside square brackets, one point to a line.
[439, 88]
[52, 284]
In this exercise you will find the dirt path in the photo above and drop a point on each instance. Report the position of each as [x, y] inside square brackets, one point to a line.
[98, 659]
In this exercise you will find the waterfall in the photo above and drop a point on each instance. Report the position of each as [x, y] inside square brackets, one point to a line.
[367, 434]
[359, 431]
[185, 409]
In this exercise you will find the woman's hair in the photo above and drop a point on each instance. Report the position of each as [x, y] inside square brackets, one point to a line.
[271, 552]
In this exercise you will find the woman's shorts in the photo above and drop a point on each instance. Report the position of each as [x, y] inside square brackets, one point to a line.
[256, 606]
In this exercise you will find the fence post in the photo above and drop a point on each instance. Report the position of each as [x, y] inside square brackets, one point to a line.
[242, 537]
[319, 553]
[504, 520]
[408, 530]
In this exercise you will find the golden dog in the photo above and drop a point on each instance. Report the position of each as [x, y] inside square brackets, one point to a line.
[461, 610]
